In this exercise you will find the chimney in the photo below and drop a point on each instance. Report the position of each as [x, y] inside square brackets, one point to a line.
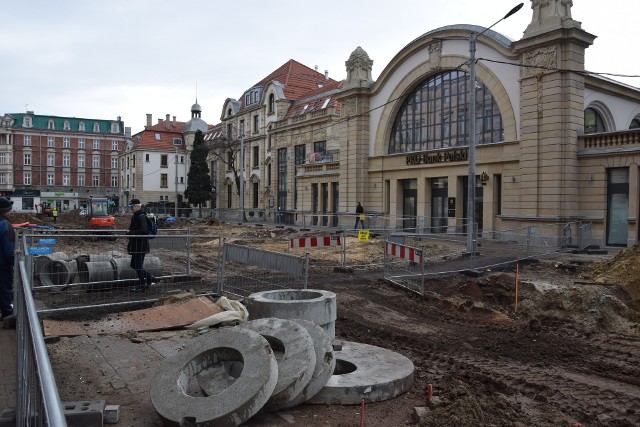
[174, 120]
[315, 68]
[149, 119]
[326, 74]
[168, 122]
[159, 121]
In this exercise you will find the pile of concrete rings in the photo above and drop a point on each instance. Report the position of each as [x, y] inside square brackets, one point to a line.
[271, 364]
[97, 271]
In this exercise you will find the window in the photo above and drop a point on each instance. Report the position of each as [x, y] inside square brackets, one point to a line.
[51, 141]
[146, 157]
[115, 127]
[96, 161]
[66, 160]
[164, 180]
[66, 142]
[157, 137]
[27, 140]
[256, 194]
[96, 144]
[4, 159]
[181, 159]
[434, 115]
[50, 179]
[635, 124]
[114, 145]
[81, 143]
[96, 127]
[229, 196]
[114, 163]
[164, 161]
[66, 180]
[593, 122]
[269, 143]
[4, 179]
[133, 161]
[81, 180]
[272, 103]
[320, 146]
[300, 153]
[114, 181]
[229, 131]
[27, 158]
[182, 180]
[66, 125]
[51, 125]
[81, 127]
[230, 159]
[27, 122]
[80, 160]
[95, 180]
[256, 156]
[256, 122]
[26, 178]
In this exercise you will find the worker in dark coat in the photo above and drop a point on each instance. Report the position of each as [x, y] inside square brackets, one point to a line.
[138, 245]
[8, 248]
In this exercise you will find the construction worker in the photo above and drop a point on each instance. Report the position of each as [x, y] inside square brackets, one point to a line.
[54, 213]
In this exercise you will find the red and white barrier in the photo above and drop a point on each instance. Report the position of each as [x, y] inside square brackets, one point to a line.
[404, 252]
[316, 242]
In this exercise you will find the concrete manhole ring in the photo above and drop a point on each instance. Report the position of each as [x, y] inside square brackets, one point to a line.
[325, 361]
[365, 372]
[296, 356]
[315, 305]
[228, 407]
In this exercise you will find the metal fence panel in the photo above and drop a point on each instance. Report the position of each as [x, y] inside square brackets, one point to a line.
[37, 398]
[84, 270]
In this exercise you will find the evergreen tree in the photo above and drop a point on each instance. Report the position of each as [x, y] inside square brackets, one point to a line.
[198, 179]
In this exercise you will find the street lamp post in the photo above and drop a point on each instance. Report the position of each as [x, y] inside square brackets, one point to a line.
[176, 207]
[471, 180]
[242, 175]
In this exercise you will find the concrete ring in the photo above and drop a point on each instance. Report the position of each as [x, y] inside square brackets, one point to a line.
[365, 372]
[315, 305]
[231, 406]
[296, 356]
[325, 361]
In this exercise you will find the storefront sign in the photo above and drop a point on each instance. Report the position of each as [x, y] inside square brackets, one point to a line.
[458, 155]
[39, 250]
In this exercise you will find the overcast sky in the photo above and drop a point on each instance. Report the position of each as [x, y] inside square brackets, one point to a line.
[103, 59]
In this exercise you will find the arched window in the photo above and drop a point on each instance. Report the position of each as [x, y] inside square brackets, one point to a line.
[272, 103]
[435, 115]
[635, 124]
[593, 122]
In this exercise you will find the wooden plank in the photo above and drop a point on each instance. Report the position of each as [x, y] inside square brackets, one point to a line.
[169, 316]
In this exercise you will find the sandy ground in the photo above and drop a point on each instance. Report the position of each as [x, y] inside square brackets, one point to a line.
[569, 356]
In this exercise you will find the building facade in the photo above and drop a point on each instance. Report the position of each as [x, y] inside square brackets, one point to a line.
[62, 161]
[553, 143]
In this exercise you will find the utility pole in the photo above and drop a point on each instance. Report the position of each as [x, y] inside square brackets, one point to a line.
[471, 180]
[242, 175]
[176, 208]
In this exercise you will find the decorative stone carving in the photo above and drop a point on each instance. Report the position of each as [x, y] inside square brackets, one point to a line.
[358, 69]
[546, 57]
[435, 49]
[550, 15]
[348, 108]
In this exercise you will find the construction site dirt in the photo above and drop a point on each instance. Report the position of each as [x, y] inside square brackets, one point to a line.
[569, 355]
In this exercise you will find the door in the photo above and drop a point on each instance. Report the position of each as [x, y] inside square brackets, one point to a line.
[409, 204]
[439, 192]
[617, 206]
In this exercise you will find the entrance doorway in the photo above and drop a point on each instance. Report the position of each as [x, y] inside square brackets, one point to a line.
[617, 206]
[478, 205]
[409, 204]
[439, 192]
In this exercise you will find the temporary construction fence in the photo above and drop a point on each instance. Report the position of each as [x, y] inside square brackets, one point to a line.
[37, 398]
[446, 254]
[73, 270]
[247, 270]
[320, 242]
[404, 265]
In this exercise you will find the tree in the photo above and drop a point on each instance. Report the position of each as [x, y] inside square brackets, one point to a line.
[198, 179]
[226, 150]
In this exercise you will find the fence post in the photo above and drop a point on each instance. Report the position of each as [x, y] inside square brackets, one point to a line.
[384, 248]
[422, 277]
[189, 251]
[221, 265]
[306, 270]
[344, 249]
[528, 239]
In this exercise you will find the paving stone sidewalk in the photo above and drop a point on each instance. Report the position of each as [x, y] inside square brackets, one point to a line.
[7, 368]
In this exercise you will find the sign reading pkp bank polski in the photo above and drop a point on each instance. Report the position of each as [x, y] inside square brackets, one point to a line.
[458, 155]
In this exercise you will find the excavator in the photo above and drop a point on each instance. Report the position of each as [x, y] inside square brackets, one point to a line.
[100, 218]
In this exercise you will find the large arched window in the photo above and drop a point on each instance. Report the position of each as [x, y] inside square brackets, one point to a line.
[435, 115]
[593, 122]
[635, 124]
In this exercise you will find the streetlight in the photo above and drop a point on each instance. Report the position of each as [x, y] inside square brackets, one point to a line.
[176, 207]
[471, 180]
[242, 174]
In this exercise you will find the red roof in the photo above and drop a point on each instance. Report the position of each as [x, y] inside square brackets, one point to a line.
[159, 137]
[298, 80]
[316, 99]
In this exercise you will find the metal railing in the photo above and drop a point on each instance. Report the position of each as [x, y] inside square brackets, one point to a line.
[37, 398]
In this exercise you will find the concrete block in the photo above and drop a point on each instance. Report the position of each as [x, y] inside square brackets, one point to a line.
[111, 414]
[87, 413]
